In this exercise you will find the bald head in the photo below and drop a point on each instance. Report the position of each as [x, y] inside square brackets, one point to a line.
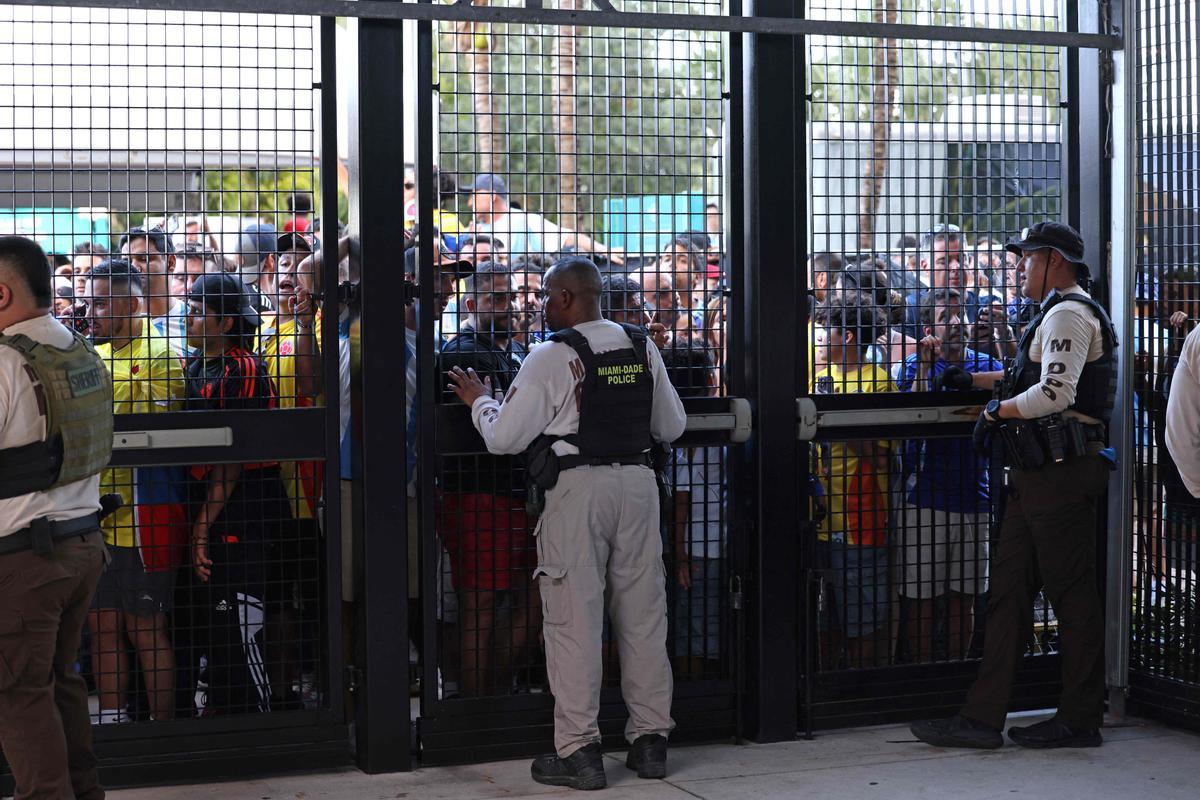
[572, 288]
[577, 275]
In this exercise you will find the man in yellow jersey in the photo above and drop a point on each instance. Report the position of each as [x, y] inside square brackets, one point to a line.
[852, 544]
[145, 535]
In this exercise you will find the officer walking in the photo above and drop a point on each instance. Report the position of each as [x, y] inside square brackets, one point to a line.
[593, 401]
[56, 425]
[1056, 399]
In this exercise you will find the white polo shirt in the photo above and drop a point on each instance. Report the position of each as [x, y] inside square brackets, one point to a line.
[542, 397]
[21, 423]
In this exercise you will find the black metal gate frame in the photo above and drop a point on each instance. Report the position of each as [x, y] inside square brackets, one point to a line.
[206, 749]
[767, 214]
[783, 22]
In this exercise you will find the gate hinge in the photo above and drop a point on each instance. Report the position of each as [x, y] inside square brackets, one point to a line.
[1107, 68]
[354, 678]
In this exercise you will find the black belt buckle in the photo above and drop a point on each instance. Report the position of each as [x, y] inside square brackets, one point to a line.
[41, 540]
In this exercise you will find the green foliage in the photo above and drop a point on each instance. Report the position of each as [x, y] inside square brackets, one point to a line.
[263, 193]
[932, 75]
[1165, 639]
[649, 113]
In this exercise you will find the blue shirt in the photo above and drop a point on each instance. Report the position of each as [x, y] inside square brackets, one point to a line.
[946, 474]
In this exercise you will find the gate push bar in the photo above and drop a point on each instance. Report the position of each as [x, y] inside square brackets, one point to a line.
[736, 421]
[810, 420]
[174, 438]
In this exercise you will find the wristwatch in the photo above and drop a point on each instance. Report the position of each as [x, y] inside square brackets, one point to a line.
[992, 410]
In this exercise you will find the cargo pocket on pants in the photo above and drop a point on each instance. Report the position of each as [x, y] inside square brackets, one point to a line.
[556, 594]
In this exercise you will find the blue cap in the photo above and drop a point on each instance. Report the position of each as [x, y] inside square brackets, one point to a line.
[257, 242]
[487, 182]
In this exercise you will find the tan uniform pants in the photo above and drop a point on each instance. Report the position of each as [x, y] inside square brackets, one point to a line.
[598, 543]
[44, 725]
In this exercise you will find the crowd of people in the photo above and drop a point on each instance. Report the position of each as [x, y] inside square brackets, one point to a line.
[903, 527]
[209, 603]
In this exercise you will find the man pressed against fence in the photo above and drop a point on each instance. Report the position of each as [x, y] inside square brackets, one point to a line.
[56, 428]
[144, 541]
[944, 533]
[483, 521]
[593, 401]
[1057, 399]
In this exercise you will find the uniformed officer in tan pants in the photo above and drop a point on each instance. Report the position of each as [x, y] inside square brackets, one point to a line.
[55, 438]
[589, 406]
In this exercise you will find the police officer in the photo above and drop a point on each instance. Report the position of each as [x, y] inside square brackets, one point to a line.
[56, 427]
[596, 399]
[1056, 398]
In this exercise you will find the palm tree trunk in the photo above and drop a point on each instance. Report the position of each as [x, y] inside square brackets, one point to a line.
[476, 44]
[884, 80]
[564, 112]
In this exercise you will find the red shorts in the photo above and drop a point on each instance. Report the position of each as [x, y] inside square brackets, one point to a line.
[489, 540]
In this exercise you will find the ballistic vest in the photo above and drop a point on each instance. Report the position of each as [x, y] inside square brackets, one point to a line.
[1096, 390]
[616, 398]
[74, 394]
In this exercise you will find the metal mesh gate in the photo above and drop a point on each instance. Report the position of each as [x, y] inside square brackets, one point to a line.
[554, 141]
[168, 165]
[1165, 647]
[924, 158]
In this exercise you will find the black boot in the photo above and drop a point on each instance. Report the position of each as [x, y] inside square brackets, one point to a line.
[958, 731]
[583, 769]
[648, 756]
[1052, 733]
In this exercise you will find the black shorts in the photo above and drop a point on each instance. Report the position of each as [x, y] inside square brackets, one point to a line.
[126, 585]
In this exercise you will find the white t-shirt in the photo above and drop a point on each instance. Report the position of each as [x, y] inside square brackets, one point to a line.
[542, 398]
[21, 423]
[1067, 338]
[173, 328]
[1183, 414]
[697, 471]
[524, 233]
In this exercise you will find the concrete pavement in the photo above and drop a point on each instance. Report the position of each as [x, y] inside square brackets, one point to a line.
[1139, 761]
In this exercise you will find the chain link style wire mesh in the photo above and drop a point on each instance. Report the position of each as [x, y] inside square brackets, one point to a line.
[605, 143]
[925, 158]
[165, 163]
[1166, 625]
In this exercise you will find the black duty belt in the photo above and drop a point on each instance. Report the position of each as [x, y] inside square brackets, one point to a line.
[42, 533]
[635, 460]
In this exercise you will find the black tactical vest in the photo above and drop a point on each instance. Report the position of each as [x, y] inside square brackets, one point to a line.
[1097, 387]
[616, 397]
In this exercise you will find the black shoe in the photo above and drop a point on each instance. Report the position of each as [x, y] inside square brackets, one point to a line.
[1052, 733]
[958, 731]
[648, 756]
[583, 769]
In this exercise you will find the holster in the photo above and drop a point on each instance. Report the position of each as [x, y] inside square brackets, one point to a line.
[1030, 444]
[541, 473]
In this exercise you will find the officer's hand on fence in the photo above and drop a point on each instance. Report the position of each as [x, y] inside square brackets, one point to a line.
[467, 385]
[985, 427]
[1179, 319]
[953, 377]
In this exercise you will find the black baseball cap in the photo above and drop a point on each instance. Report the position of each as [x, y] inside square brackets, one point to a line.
[293, 241]
[445, 258]
[156, 235]
[1055, 235]
[225, 295]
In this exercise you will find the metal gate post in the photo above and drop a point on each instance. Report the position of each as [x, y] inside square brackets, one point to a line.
[773, 164]
[377, 172]
[1124, 268]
